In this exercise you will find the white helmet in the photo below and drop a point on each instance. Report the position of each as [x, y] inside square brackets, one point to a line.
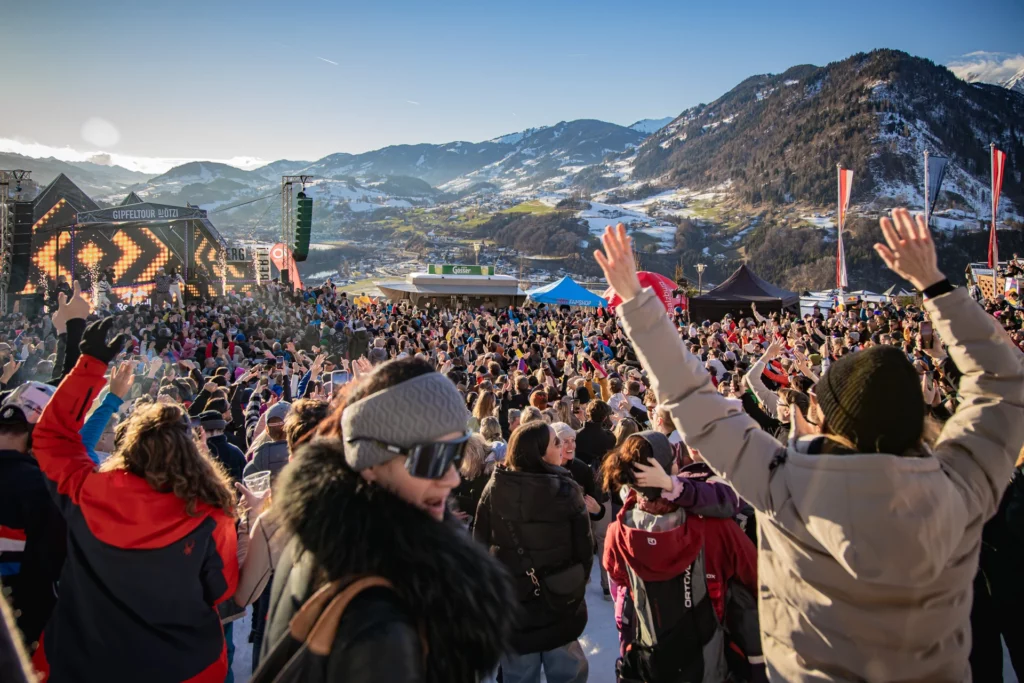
[26, 403]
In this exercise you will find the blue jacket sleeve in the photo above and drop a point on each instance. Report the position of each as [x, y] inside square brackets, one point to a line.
[93, 428]
[301, 391]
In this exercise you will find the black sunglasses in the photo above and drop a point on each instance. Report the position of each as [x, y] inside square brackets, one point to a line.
[427, 460]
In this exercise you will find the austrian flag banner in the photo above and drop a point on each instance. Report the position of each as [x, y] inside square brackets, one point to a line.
[998, 168]
[845, 186]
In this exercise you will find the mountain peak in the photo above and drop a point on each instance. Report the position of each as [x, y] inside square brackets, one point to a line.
[649, 126]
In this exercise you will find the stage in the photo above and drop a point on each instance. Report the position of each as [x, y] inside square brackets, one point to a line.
[71, 236]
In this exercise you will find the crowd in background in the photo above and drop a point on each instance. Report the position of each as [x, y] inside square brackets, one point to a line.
[802, 497]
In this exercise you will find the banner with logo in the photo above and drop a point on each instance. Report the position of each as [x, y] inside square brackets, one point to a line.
[460, 270]
[139, 212]
[934, 172]
[283, 261]
[262, 265]
[845, 187]
[998, 168]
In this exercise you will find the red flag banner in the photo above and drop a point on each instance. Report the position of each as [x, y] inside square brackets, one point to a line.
[998, 168]
[845, 187]
[283, 261]
[662, 286]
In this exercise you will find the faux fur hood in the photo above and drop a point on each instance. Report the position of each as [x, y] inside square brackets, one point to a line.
[460, 595]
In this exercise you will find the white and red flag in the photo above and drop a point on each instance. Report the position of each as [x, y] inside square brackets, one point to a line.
[998, 168]
[845, 185]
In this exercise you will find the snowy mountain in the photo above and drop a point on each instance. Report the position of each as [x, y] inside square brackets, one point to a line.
[776, 139]
[649, 126]
[1015, 82]
[94, 179]
[547, 158]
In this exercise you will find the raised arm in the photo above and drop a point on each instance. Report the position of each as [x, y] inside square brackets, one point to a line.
[57, 443]
[731, 442]
[979, 444]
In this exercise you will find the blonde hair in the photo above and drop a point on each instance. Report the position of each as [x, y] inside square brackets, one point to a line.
[485, 406]
[530, 414]
[473, 459]
[157, 444]
[490, 429]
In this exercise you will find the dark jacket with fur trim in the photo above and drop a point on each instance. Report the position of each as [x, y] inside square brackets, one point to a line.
[550, 520]
[446, 586]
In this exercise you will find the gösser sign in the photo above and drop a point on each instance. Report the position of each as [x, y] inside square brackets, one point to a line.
[460, 270]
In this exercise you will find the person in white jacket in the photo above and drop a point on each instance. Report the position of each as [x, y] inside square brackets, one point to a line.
[868, 539]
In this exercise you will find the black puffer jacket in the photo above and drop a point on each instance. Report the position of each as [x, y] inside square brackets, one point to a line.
[550, 520]
[593, 442]
[447, 588]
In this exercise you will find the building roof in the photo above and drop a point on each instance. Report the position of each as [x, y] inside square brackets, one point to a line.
[453, 289]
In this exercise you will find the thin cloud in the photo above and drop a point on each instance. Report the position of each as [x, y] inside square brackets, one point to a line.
[324, 59]
[413, 102]
[987, 67]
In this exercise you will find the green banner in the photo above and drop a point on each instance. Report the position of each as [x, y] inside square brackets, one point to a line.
[460, 270]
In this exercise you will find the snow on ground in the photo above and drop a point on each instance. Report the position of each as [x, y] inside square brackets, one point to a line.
[599, 215]
[819, 221]
[600, 640]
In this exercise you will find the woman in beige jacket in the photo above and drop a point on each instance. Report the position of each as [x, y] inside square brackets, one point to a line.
[869, 541]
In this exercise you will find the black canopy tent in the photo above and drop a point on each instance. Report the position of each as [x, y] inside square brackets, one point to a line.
[735, 295]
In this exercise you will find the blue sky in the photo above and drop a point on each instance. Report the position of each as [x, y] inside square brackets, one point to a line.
[221, 80]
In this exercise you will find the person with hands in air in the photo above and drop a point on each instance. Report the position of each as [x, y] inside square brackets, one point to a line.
[98, 430]
[152, 539]
[869, 539]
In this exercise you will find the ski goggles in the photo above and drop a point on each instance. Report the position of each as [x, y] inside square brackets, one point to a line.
[427, 460]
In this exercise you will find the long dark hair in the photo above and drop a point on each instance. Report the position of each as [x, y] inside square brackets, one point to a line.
[526, 448]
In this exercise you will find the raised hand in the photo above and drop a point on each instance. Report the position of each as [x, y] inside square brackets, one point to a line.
[94, 339]
[617, 262]
[122, 378]
[909, 251]
[10, 367]
[77, 306]
[652, 475]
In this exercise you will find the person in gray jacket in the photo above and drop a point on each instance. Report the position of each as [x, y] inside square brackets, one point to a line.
[869, 539]
[272, 454]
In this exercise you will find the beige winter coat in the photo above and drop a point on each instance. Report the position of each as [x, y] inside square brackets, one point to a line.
[866, 561]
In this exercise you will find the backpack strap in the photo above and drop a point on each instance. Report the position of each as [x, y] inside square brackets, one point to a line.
[317, 621]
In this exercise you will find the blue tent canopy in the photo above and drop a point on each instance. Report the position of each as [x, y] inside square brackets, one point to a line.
[566, 292]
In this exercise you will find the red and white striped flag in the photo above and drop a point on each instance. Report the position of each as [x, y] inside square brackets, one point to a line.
[998, 168]
[845, 186]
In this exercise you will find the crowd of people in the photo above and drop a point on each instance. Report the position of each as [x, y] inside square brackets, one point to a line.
[423, 494]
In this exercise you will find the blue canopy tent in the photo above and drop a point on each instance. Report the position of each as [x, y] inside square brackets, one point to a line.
[566, 292]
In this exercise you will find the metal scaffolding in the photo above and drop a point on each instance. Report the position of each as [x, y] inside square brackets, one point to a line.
[288, 215]
[7, 179]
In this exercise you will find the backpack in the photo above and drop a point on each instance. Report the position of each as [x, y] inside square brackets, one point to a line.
[671, 632]
[301, 655]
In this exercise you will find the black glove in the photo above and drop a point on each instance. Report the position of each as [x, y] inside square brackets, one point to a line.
[94, 341]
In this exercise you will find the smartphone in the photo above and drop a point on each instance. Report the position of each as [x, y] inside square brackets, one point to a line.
[340, 377]
[926, 334]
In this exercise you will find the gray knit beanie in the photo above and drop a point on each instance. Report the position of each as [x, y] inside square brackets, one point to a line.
[419, 410]
[661, 450]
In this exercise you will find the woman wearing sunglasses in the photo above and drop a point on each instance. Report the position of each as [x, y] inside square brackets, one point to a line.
[373, 502]
[533, 517]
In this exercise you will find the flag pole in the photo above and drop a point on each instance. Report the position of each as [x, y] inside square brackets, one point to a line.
[839, 225]
[927, 213]
[995, 202]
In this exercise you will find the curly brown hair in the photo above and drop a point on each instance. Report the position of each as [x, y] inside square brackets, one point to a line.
[617, 471]
[158, 445]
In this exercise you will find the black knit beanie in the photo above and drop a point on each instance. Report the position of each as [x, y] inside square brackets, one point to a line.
[874, 399]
